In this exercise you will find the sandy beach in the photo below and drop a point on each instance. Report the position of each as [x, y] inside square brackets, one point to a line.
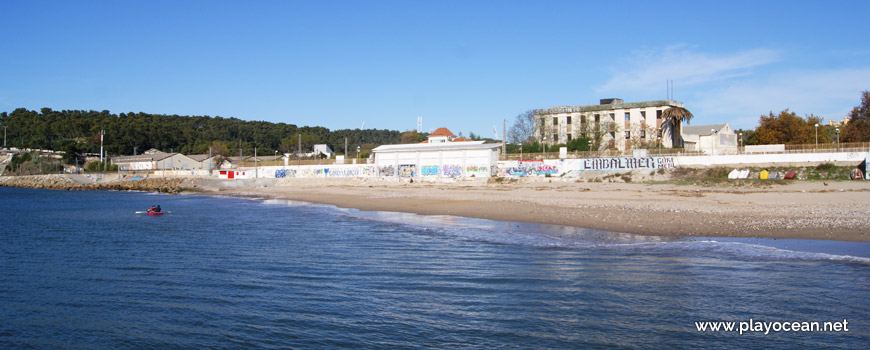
[802, 209]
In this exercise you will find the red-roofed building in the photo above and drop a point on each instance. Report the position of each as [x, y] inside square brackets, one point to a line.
[441, 135]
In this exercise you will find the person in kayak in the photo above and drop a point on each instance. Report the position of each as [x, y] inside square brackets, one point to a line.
[152, 209]
[158, 208]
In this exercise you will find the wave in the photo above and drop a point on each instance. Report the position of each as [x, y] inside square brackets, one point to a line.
[569, 237]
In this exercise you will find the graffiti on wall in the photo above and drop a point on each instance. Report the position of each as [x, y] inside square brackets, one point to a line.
[282, 173]
[618, 164]
[386, 171]
[342, 172]
[451, 171]
[407, 170]
[475, 169]
[529, 168]
[429, 170]
[369, 171]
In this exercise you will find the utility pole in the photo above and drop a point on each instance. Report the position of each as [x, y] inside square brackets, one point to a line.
[255, 163]
[345, 146]
[504, 137]
[299, 153]
[102, 132]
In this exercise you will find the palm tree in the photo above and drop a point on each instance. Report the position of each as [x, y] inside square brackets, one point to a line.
[674, 117]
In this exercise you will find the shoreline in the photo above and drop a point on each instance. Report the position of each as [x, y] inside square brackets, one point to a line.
[800, 210]
[839, 211]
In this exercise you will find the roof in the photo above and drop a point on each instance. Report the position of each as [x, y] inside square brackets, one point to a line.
[461, 139]
[442, 132]
[143, 157]
[600, 107]
[199, 157]
[448, 146]
[701, 130]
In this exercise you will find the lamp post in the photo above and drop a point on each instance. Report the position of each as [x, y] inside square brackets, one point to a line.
[817, 135]
[741, 140]
[838, 139]
[545, 147]
[357, 152]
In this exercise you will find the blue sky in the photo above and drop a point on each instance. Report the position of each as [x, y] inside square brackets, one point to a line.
[465, 65]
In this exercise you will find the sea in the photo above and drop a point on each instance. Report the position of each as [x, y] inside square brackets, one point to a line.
[89, 270]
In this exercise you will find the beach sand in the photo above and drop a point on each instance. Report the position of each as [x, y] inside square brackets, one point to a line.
[801, 209]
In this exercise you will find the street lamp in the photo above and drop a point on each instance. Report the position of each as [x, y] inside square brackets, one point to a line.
[357, 152]
[817, 135]
[545, 147]
[741, 139]
[838, 139]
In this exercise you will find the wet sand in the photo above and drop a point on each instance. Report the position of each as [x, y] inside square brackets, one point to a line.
[801, 209]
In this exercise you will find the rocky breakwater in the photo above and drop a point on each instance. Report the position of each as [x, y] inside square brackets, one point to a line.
[67, 182]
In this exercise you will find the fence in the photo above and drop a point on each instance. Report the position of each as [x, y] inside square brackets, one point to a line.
[677, 152]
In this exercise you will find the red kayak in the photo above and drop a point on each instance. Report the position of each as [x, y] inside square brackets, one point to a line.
[155, 213]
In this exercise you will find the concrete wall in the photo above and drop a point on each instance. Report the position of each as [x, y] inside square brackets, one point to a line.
[431, 167]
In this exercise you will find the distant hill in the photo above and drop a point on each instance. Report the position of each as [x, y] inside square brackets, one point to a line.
[80, 130]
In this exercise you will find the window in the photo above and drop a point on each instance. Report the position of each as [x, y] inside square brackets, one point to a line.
[642, 133]
[555, 137]
[568, 120]
[612, 117]
[569, 135]
[583, 119]
[627, 134]
[659, 114]
[643, 114]
[555, 121]
[597, 118]
[627, 117]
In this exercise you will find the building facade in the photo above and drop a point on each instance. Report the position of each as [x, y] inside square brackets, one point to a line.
[437, 160]
[711, 139]
[611, 124]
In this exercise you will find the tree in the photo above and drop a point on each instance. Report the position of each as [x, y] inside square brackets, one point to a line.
[673, 118]
[579, 144]
[523, 128]
[410, 137]
[219, 154]
[787, 128]
[858, 127]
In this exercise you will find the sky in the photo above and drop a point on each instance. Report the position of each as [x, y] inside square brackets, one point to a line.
[464, 65]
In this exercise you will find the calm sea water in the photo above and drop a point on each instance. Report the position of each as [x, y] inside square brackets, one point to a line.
[83, 270]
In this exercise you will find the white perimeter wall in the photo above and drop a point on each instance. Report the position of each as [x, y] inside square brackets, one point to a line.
[478, 162]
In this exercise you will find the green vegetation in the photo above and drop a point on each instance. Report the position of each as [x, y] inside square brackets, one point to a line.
[101, 166]
[32, 164]
[78, 132]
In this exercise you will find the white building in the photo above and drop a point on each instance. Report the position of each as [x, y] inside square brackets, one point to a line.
[710, 139]
[323, 149]
[610, 124]
[437, 160]
[156, 160]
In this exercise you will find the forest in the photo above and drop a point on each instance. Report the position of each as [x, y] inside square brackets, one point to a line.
[78, 131]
